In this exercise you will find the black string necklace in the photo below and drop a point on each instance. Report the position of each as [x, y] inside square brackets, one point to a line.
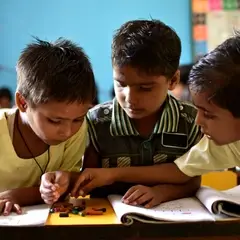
[35, 160]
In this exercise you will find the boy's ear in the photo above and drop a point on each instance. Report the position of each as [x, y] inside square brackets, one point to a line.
[174, 81]
[20, 102]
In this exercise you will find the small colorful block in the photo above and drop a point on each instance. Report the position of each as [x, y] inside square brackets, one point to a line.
[63, 214]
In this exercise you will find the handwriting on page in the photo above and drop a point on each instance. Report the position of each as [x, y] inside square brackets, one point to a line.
[33, 215]
[9, 221]
[189, 209]
[186, 209]
[175, 208]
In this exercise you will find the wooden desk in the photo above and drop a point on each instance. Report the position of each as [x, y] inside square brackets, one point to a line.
[170, 231]
[106, 227]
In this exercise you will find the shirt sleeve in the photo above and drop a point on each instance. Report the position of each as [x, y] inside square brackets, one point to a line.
[74, 150]
[205, 157]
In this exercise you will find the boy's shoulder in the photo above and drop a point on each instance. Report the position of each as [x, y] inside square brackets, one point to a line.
[186, 109]
[7, 117]
[101, 112]
[7, 112]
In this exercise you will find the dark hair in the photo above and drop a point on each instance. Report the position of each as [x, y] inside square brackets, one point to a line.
[58, 71]
[147, 45]
[6, 93]
[184, 73]
[218, 74]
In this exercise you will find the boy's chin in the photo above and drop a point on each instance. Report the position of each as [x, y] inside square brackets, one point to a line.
[53, 142]
[219, 143]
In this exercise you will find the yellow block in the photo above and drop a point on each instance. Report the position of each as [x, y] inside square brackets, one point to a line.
[108, 217]
[220, 180]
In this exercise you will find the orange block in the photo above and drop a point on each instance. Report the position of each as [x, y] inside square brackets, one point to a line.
[200, 6]
[200, 32]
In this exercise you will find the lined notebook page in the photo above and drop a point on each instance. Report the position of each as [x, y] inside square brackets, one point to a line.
[31, 216]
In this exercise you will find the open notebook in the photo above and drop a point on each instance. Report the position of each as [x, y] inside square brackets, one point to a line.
[208, 205]
[31, 216]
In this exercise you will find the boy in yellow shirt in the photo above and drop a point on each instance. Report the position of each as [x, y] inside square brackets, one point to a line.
[47, 131]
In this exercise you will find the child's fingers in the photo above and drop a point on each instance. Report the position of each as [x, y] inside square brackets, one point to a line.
[76, 189]
[50, 194]
[17, 208]
[88, 188]
[49, 185]
[151, 203]
[133, 198]
[2, 205]
[144, 199]
[129, 192]
[48, 180]
[44, 190]
[49, 200]
[7, 208]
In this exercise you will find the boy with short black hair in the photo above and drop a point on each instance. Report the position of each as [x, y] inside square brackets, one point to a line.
[143, 125]
[215, 89]
[47, 131]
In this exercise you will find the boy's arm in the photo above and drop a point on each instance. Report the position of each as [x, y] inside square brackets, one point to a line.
[91, 157]
[161, 173]
[23, 196]
[92, 178]
[172, 192]
[204, 157]
[91, 160]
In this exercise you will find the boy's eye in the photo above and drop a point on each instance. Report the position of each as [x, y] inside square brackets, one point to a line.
[53, 121]
[207, 116]
[146, 88]
[119, 84]
[78, 120]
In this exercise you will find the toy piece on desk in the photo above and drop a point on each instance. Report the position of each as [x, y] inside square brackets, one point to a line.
[76, 202]
[63, 214]
[78, 208]
[61, 207]
[51, 210]
[62, 204]
[75, 211]
[99, 209]
[83, 213]
[92, 212]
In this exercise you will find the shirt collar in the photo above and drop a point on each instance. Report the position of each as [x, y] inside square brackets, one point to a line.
[121, 124]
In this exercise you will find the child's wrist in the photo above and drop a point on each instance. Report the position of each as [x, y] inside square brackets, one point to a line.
[115, 174]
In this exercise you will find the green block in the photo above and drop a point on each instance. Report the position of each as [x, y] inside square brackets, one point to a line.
[74, 211]
[230, 4]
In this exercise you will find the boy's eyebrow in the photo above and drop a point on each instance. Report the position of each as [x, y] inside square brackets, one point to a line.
[202, 108]
[143, 83]
[61, 118]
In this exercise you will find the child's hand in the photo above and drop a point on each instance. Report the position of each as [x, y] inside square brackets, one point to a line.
[8, 204]
[53, 185]
[92, 178]
[143, 195]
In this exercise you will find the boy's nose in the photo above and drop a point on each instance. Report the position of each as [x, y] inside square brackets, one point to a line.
[199, 119]
[130, 97]
[66, 132]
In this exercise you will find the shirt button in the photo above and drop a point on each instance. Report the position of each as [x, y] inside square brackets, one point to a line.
[106, 111]
[146, 145]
